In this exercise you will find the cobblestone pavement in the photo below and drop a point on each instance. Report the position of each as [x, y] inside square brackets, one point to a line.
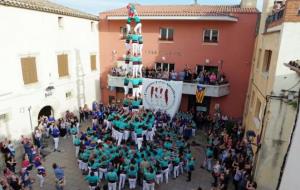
[75, 180]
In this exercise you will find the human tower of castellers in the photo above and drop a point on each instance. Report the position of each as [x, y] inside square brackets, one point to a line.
[139, 146]
[134, 48]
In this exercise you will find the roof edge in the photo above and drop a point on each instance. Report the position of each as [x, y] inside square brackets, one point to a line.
[51, 10]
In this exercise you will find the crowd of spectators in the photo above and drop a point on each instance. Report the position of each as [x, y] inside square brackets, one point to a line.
[202, 77]
[228, 154]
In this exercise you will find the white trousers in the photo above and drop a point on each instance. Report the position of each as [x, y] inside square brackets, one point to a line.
[166, 174]
[102, 172]
[126, 88]
[140, 69]
[176, 171]
[132, 183]
[139, 142]
[135, 48]
[127, 68]
[135, 92]
[112, 186]
[128, 28]
[127, 46]
[140, 49]
[56, 140]
[133, 136]
[73, 138]
[149, 135]
[114, 133]
[122, 181]
[159, 178]
[140, 90]
[41, 179]
[138, 28]
[181, 167]
[126, 135]
[119, 137]
[150, 186]
[76, 151]
[135, 70]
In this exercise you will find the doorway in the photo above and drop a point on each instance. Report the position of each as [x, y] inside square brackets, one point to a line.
[46, 111]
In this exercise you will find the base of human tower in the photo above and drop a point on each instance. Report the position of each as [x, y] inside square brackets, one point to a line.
[124, 142]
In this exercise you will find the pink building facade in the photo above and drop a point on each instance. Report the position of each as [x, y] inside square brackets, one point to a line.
[212, 37]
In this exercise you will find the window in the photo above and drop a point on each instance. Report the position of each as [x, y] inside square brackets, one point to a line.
[207, 68]
[4, 117]
[299, 12]
[258, 59]
[166, 34]
[257, 112]
[62, 61]
[92, 26]
[211, 36]
[123, 32]
[69, 95]
[60, 22]
[29, 70]
[93, 62]
[165, 66]
[267, 61]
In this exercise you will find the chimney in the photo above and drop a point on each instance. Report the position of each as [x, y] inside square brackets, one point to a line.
[248, 3]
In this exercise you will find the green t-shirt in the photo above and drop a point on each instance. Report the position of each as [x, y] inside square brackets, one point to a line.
[112, 176]
[137, 19]
[92, 179]
[135, 37]
[135, 81]
[126, 81]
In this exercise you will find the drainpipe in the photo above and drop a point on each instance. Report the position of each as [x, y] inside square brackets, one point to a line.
[289, 146]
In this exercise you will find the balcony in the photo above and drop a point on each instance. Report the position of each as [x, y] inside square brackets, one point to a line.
[188, 88]
[275, 19]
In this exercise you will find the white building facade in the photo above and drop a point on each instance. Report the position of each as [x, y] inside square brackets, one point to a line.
[49, 63]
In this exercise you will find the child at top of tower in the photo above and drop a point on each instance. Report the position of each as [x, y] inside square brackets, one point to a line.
[131, 10]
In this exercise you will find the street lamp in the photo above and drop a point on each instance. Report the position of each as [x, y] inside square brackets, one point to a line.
[29, 111]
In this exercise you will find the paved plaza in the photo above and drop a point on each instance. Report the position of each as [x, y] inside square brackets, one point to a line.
[75, 180]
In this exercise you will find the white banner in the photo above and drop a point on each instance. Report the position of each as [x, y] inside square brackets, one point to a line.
[162, 95]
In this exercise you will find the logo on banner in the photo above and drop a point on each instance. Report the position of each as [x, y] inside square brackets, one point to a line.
[159, 95]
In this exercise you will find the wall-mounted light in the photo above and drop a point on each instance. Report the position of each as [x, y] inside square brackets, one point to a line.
[207, 61]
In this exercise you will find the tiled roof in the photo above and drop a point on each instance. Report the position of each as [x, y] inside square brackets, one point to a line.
[183, 10]
[47, 6]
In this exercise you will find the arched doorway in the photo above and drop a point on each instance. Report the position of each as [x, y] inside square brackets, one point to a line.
[46, 111]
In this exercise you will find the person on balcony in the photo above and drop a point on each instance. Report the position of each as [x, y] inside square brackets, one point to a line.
[173, 75]
[213, 78]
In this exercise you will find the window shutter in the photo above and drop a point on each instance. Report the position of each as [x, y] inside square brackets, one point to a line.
[93, 62]
[29, 70]
[63, 69]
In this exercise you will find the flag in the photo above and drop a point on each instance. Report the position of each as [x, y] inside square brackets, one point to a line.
[200, 93]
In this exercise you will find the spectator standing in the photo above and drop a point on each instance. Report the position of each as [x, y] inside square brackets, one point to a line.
[55, 135]
[59, 177]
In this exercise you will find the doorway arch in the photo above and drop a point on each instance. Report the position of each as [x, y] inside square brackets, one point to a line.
[46, 111]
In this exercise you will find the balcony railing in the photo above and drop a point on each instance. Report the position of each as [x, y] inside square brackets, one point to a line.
[276, 16]
[188, 88]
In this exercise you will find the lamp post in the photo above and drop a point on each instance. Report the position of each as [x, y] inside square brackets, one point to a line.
[29, 111]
